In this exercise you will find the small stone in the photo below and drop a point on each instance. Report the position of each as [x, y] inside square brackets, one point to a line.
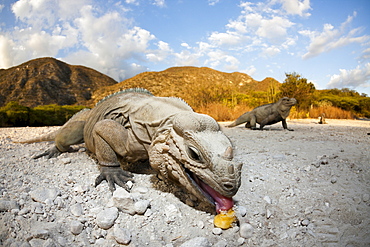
[267, 199]
[66, 160]
[197, 242]
[122, 235]
[39, 233]
[76, 209]
[172, 212]
[24, 211]
[129, 184]
[242, 211]
[42, 194]
[101, 242]
[333, 180]
[141, 206]
[38, 208]
[308, 210]
[76, 227]
[59, 202]
[357, 199]
[268, 213]
[80, 189]
[140, 190]
[217, 231]
[148, 212]
[200, 224]
[124, 201]
[241, 241]
[106, 218]
[8, 205]
[305, 222]
[246, 230]
[221, 243]
[365, 197]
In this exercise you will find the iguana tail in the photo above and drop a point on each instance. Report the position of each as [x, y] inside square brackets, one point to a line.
[79, 116]
[43, 138]
[242, 119]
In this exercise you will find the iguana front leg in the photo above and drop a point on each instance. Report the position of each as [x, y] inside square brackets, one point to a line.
[285, 126]
[110, 139]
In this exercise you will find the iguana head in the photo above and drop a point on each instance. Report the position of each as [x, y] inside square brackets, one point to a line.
[196, 154]
[289, 102]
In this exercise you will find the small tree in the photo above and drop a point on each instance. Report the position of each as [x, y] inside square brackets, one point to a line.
[297, 87]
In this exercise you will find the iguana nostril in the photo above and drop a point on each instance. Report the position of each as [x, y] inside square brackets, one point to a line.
[228, 186]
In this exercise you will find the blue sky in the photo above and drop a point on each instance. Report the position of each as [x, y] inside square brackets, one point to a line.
[326, 41]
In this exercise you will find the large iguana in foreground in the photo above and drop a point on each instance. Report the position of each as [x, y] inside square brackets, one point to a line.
[133, 125]
[267, 114]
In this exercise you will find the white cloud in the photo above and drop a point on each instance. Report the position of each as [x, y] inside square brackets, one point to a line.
[251, 70]
[296, 7]
[225, 39]
[215, 58]
[275, 29]
[91, 35]
[258, 25]
[1, 7]
[271, 51]
[6, 52]
[186, 58]
[159, 3]
[163, 52]
[135, 2]
[365, 54]
[213, 2]
[358, 77]
[332, 38]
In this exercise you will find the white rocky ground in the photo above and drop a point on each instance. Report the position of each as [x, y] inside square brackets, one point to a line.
[308, 187]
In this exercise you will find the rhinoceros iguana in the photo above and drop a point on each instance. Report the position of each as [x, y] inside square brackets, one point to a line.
[267, 114]
[133, 125]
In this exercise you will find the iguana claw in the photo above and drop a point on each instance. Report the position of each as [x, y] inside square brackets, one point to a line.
[114, 175]
[50, 153]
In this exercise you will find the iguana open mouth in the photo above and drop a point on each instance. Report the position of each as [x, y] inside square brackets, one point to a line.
[221, 202]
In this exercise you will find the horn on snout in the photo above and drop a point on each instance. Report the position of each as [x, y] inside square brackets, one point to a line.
[228, 155]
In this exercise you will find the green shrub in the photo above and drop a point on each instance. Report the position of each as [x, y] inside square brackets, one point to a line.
[14, 114]
[50, 115]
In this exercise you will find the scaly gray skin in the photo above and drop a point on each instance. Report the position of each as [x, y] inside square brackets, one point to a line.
[267, 114]
[183, 146]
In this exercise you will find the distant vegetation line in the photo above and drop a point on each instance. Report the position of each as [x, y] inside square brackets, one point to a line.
[46, 91]
[16, 115]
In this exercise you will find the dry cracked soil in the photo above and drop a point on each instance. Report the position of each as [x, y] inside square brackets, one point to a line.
[307, 187]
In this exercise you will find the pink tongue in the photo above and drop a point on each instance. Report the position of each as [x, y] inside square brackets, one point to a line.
[222, 203]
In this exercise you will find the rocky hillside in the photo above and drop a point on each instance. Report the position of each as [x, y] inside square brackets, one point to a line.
[46, 81]
[190, 83]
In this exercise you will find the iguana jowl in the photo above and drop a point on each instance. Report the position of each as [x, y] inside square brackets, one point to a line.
[181, 145]
[267, 114]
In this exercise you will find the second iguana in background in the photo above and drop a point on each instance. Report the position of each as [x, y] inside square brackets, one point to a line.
[182, 146]
[267, 114]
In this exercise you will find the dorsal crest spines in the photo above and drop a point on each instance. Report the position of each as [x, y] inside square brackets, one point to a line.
[129, 90]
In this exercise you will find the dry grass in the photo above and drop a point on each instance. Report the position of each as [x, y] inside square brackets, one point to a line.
[221, 112]
[330, 112]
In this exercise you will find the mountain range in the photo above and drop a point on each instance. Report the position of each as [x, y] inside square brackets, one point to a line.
[45, 81]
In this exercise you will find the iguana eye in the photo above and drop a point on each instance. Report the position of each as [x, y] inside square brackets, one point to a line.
[194, 154]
